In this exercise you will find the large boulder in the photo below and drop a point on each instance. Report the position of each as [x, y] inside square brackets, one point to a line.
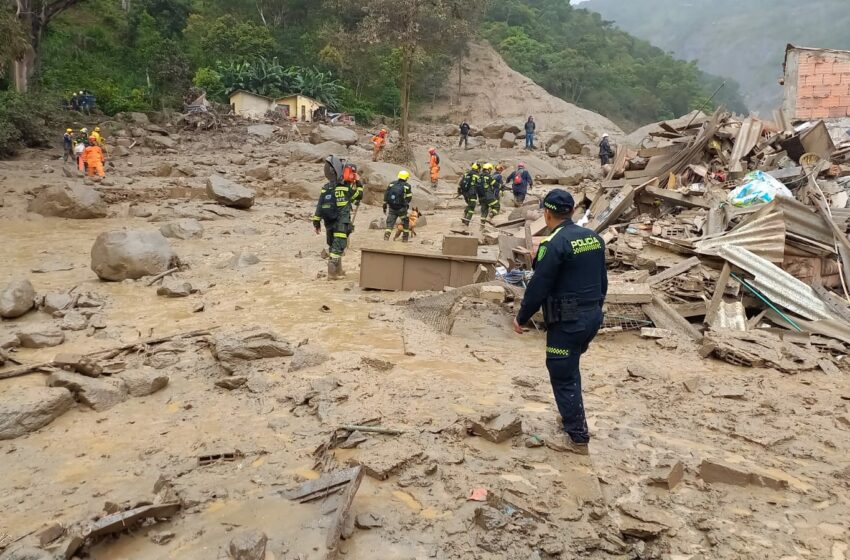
[17, 298]
[495, 131]
[376, 176]
[307, 356]
[339, 134]
[99, 393]
[26, 409]
[144, 382]
[132, 254]
[248, 545]
[264, 131]
[508, 140]
[313, 153]
[575, 141]
[450, 170]
[187, 228]
[69, 201]
[227, 193]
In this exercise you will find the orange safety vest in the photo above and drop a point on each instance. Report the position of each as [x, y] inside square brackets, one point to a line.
[93, 154]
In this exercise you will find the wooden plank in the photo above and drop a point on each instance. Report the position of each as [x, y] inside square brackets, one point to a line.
[664, 316]
[342, 512]
[719, 290]
[677, 199]
[689, 310]
[321, 487]
[673, 271]
[614, 209]
[628, 293]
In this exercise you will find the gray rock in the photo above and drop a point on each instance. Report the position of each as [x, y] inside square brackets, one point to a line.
[260, 172]
[473, 142]
[17, 298]
[174, 288]
[74, 321]
[163, 170]
[41, 336]
[240, 260]
[56, 301]
[508, 140]
[132, 254]
[261, 130]
[98, 393]
[248, 545]
[575, 141]
[307, 356]
[187, 228]
[141, 383]
[156, 141]
[228, 193]
[232, 382]
[339, 134]
[232, 349]
[238, 159]
[137, 211]
[368, 520]
[8, 341]
[309, 153]
[69, 201]
[26, 553]
[26, 409]
[496, 130]
[138, 118]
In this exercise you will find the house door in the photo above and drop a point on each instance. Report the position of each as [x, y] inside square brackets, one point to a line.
[303, 113]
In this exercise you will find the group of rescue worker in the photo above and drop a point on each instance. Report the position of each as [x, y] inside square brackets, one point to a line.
[86, 150]
[569, 282]
[483, 184]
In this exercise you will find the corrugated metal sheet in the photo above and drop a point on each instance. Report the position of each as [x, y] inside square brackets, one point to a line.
[777, 285]
[802, 221]
[746, 140]
[763, 235]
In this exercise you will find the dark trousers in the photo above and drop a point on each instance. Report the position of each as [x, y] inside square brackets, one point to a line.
[393, 215]
[519, 197]
[464, 140]
[337, 233]
[565, 343]
[605, 159]
[471, 200]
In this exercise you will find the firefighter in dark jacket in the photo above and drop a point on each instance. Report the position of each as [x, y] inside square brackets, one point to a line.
[334, 209]
[487, 193]
[570, 283]
[464, 134]
[468, 188]
[396, 205]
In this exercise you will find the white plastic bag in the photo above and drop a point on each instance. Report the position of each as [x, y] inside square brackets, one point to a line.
[758, 188]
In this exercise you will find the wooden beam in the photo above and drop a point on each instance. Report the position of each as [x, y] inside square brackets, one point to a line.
[717, 298]
[673, 271]
[342, 511]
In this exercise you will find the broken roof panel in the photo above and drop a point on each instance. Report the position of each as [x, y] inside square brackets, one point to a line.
[777, 285]
[763, 235]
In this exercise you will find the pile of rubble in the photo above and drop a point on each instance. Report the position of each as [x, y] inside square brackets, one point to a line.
[726, 233]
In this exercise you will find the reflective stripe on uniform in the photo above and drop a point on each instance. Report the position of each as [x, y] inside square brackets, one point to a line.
[341, 235]
[334, 255]
[557, 351]
[541, 251]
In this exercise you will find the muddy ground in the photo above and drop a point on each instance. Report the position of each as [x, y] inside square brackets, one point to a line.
[790, 433]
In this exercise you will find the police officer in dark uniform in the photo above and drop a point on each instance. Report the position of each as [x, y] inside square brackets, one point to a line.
[570, 283]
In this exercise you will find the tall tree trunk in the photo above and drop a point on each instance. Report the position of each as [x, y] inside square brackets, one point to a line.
[459, 77]
[406, 70]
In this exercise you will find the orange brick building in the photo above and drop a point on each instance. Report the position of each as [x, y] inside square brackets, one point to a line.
[817, 84]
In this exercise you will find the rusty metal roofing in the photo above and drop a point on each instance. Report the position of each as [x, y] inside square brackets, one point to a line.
[761, 234]
[777, 285]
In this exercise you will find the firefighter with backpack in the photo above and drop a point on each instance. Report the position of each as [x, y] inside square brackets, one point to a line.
[487, 193]
[340, 193]
[396, 205]
[468, 189]
[520, 181]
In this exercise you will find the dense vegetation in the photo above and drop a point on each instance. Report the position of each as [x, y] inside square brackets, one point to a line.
[743, 40]
[369, 57]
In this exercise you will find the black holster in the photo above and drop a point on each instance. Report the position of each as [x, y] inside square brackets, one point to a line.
[560, 310]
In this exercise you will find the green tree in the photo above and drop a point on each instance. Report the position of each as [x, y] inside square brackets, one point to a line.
[226, 39]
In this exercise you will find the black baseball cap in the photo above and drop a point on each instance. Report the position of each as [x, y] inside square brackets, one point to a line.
[559, 201]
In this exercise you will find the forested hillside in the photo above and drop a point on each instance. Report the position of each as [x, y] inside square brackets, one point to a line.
[366, 57]
[742, 39]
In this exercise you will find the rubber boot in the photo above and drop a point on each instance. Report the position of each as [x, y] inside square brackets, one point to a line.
[335, 271]
[386, 236]
[405, 237]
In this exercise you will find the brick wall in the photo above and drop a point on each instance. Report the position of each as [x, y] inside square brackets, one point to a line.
[823, 85]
